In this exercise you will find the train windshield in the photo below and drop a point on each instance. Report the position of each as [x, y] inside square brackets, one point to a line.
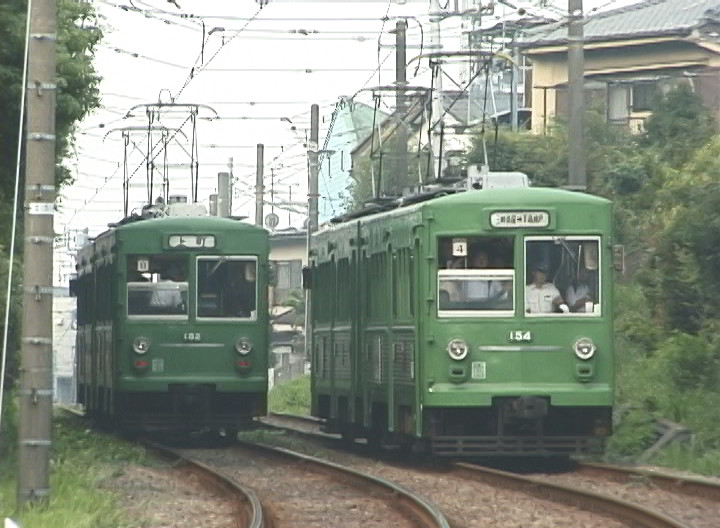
[227, 287]
[157, 286]
[475, 276]
[562, 276]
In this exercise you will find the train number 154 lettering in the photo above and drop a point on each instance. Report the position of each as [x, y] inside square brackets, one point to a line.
[520, 335]
[191, 337]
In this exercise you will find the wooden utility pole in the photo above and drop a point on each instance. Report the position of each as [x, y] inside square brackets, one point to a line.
[259, 185]
[576, 97]
[36, 353]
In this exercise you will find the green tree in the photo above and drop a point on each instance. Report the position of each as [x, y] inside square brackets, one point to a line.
[679, 125]
[77, 80]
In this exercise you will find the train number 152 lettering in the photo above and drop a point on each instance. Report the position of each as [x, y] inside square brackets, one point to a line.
[191, 336]
[520, 335]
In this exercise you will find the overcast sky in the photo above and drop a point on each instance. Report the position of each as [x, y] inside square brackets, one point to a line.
[257, 70]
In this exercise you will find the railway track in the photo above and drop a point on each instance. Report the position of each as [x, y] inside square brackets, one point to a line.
[248, 511]
[301, 490]
[241, 507]
[625, 494]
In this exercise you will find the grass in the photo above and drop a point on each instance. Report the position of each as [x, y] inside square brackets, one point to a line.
[81, 463]
[292, 397]
[686, 458]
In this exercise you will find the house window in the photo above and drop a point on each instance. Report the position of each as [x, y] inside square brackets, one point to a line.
[618, 103]
[642, 96]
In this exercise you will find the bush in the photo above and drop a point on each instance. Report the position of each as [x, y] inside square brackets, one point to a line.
[291, 397]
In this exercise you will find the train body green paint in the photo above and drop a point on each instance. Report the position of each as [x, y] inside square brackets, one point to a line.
[147, 364]
[418, 339]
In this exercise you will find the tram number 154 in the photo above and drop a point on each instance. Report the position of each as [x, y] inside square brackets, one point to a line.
[520, 335]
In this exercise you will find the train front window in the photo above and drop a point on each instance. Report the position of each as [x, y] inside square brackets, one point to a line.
[475, 276]
[227, 287]
[157, 286]
[562, 276]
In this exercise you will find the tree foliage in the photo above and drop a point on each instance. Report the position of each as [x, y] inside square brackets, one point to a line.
[77, 94]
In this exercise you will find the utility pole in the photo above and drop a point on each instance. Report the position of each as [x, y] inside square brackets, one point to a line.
[576, 99]
[401, 133]
[223, 195]
[515, 72]
[259, 187]
[437, 93]
[36, 352]
[313, 158]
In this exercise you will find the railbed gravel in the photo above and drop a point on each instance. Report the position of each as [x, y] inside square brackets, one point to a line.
[697, 512]
[466, 504]
[162, 497]
[296, 496]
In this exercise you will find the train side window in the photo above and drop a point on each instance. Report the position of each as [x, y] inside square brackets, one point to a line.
[227, 287]
[562, 276]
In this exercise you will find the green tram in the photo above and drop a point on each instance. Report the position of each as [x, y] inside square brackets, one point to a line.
[470, 324]
[173, 324]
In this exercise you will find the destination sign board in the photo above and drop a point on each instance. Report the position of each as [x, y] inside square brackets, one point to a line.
[515, 219]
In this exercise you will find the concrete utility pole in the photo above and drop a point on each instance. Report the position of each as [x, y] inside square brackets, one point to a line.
[259, 187]
[438, 106]
[515, 72]
[313, 158]
[224, 194]
[36, 353]
[576, 97]
[400, 103]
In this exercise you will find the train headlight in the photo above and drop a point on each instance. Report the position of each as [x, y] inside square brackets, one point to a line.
[243, 346]
[141, 345]
[584, 348]
[457, 349]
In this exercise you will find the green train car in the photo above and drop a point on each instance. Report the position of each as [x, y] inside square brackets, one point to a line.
[468, 324]
[173, 324]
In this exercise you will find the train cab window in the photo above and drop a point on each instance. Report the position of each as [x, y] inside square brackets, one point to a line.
[562, 276]
[475, 276]
[157, 286]
[227, 287]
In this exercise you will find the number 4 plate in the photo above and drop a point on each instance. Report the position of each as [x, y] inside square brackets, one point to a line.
[478, 370]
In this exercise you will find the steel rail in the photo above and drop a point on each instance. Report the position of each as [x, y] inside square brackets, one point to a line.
[636, 515]
[249, 506]
[639, 516]
[427, 514]
[692, 486]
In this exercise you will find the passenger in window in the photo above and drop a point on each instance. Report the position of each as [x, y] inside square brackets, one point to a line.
[542, 296]
[447, 260]
[168, 297]
[483, 290]
[578, 294]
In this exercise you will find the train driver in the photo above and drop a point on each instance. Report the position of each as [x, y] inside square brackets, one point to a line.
[542, 296]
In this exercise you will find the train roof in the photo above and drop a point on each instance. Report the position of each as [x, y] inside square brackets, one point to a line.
[501, 197]
[205, 223]
[520, 196]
